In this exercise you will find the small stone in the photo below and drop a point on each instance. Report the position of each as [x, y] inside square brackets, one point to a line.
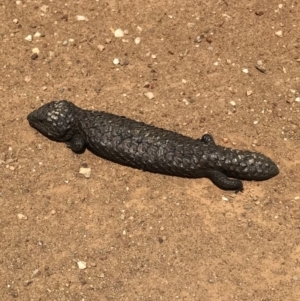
[279, 33]
[27, 282]
[245, 70]
[124, 62]
[81, 265]
[297, 99]
[116, 61]
[44, 88]
[233, 103]
[255, 122]
[44, 8]
[86, 171]
[149, 95]
[29, 38]
[199, 38]
[37, 35]
[35, 50]
[225, 140]
[224, 198]
[22, 216]
[137, 40]
[185, 101]
[100, 47]
[36, 273]
[34, 56]
[16, 21]
[249, 92]
[27, 79]
[81, 18]
[260, 68]
[119, 33]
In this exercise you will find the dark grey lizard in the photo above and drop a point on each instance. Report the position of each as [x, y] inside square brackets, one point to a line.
[149, 148]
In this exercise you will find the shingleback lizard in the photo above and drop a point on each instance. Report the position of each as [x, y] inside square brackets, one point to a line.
[149, 148]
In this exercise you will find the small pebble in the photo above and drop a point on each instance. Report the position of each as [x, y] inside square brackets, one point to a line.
[81, 18]
[86, 171]
[279, 33]
[224, 198]
[36, 273]
[81, 265]
[37, 35]
[233, 103]
[137, 40]
[245, 70]
[35, 50]
[29, 38]
[44, 8]
[249, 92]
[16, 21]
[255, 122]
[21, 216]
[100, 47]
[149, 95]
[199, 38]
[116, 61]
[119, 33]
[34, 56]
[297, 99]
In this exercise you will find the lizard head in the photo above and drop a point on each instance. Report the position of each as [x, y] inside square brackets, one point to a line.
[54, 119]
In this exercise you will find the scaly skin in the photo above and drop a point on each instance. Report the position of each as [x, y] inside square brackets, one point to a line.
[149, 148]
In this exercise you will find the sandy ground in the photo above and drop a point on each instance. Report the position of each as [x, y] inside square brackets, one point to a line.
[228, 68]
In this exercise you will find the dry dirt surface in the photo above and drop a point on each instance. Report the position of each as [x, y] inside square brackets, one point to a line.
[228, 68]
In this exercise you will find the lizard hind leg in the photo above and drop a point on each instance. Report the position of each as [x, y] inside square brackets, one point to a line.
[223, 182]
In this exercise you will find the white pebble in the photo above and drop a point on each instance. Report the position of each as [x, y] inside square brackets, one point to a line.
[279, 33]
[224, 198]
[233, 103]
[100, 47]
[245, 70]
[297, 99]
[29, 38]
[81, 265]
[81, 18]
[137, 40]
[149, 95]
[119, 33]
[44, 8]
[249, 92]
[35, 50]
[37, 35]
[16, 21]
[116, 61]
[86, 171]
[186, 101]
[255, 122]
[22, 216]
